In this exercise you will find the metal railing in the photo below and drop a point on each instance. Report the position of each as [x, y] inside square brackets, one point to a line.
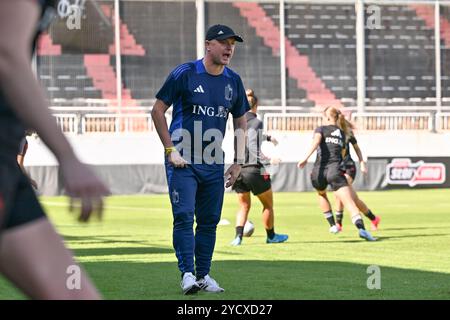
[67, 122]
[91, 123]
[292, 121]
[443, 121]
[422, 121]
[105, 123]
[387, 121]
[117, 123]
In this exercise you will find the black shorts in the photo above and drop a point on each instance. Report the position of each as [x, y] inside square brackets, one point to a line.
[252, 179]
[331, 174]
[18, 202]
[350, 169]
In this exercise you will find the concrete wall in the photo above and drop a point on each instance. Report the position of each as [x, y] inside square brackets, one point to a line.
[133, 163]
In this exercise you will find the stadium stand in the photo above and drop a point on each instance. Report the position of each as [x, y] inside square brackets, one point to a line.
[46, 47]
[320, 44]
[400, 60]
[95, 35]
[100, 70]
[128, 45]
[169, 40]
[399, 56]
[299, 65]
[65, 77]
[322, 34]
[445, 55]
[60, 56]
[257, 61]
[83, 70]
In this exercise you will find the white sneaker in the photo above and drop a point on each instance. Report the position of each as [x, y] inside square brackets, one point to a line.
[209, 284]
[334, 229]
[189, 284]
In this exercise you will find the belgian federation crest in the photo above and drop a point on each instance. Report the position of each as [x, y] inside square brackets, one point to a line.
[175, 197]
[228, 92]
[222, 112]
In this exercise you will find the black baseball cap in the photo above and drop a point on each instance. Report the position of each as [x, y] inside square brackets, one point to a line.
[221, 32]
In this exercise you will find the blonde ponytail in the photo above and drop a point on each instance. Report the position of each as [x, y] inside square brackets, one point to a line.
[341, 121]
[252, 98]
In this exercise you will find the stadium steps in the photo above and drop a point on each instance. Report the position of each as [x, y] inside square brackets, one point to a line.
[144, 75]
[427, 15]
[298, 66]
[46, 47]
[395, 54]
[64, 77]
[404, 69]
[252, 60]
[104, 78]
[324, 34]
[128, 45]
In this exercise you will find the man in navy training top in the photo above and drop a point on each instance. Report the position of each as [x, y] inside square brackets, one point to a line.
[202, 93]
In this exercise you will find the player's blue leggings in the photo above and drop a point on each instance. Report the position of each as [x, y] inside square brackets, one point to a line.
[199, 190]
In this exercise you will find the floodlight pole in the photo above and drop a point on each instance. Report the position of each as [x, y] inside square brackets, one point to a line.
[200, 5]
[282, 57]
[360, 57]
[118, 57]
[437, 47]
[34, 63]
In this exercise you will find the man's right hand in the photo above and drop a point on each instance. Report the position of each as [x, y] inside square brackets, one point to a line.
[176, 160]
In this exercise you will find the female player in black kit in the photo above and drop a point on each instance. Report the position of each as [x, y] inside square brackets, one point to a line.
[254, 178]
[329, 141]
[350, 174]
[32, 254]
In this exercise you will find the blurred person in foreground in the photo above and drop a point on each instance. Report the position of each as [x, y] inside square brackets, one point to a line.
[32, 255]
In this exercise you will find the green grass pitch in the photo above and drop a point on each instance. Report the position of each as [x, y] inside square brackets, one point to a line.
[130, 256]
